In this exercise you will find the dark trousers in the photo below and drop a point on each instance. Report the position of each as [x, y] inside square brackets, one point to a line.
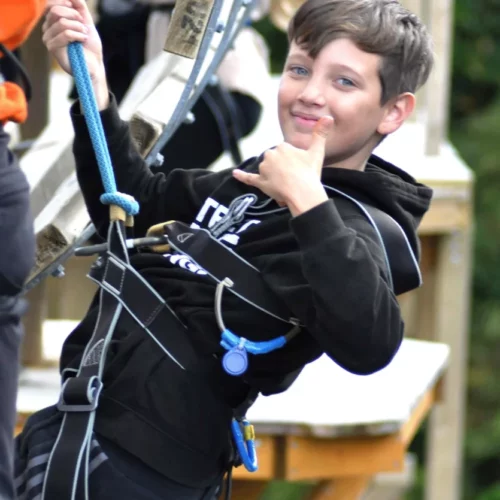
[113, 473]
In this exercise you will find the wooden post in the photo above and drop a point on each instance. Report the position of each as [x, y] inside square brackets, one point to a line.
[441, 19]
[36, 60]
[418, 7]
[446, 430]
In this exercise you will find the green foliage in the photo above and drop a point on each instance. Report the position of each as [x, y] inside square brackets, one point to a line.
[476, 61]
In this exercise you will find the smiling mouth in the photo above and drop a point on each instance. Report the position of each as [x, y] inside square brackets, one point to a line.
[304, 120]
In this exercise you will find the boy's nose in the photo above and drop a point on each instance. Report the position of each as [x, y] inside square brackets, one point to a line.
[312, 94]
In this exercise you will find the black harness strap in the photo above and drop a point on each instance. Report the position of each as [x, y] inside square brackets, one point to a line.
[221, 263]
[153, 314]
[80, 395]
[402, 264]
[121, 286]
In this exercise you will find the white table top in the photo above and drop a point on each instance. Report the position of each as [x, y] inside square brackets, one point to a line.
[328, 401]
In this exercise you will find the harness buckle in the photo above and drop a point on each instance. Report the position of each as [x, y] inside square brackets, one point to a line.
[80, 394]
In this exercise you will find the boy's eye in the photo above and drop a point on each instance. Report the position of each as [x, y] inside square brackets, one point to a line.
[299, 70]
[345, 82]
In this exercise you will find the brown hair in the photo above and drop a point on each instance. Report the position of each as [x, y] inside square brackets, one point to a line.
[382, 27]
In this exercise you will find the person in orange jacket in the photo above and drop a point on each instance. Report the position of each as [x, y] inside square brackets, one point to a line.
[17, 251]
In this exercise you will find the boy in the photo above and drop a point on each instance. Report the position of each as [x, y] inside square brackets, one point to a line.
[349, 80]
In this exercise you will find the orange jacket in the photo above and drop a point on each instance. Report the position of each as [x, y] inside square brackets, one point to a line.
[17, 19]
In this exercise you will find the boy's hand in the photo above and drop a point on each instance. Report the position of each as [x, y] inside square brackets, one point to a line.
[69, 21]
[292, 176]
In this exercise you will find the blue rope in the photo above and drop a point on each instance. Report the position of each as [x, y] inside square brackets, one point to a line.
[96, 131]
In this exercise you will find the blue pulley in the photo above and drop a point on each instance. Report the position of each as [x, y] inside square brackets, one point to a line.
[235, 361]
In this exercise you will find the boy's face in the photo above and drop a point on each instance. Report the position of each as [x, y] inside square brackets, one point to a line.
[342, 82]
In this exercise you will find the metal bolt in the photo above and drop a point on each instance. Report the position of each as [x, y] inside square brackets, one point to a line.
[59, 272]
[158, 162]
[221, 26]
[190, 118]
[98, 263]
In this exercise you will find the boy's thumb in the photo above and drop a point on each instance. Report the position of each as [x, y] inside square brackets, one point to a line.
[320, 133]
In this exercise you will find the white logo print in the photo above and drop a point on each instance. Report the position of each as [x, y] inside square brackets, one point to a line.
[182, 238]
[211, 211]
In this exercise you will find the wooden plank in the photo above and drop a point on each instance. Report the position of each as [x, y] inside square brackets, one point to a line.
[48, 162]
[154, 112]
[446, 430]
[187, 27]
[426, 296]
[59, 224]
[349, 488]
[407, 433]
[314, 458]
[446, 216]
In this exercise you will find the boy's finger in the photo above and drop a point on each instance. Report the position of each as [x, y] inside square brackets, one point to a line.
[82, 8]
[319, 135]
[62, 12]
[55, 3]
[246, 177]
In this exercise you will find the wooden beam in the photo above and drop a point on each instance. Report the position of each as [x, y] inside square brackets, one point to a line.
[187, 27]
[314, 459]
[441, 22]
[418, 415]
[446, 216]
[308, 458]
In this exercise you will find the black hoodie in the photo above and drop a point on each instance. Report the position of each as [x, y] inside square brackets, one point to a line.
[326, 265]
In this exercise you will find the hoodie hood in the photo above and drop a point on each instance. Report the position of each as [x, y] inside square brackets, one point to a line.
[388, 188]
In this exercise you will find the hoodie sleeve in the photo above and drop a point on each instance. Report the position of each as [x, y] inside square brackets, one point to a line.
[161, 197]
[349, 307]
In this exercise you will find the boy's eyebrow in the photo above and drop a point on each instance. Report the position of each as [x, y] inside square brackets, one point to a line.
[299, 55]
[303, 57]
[349, 69]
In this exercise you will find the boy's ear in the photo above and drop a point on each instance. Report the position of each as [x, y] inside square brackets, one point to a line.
[398, 109]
